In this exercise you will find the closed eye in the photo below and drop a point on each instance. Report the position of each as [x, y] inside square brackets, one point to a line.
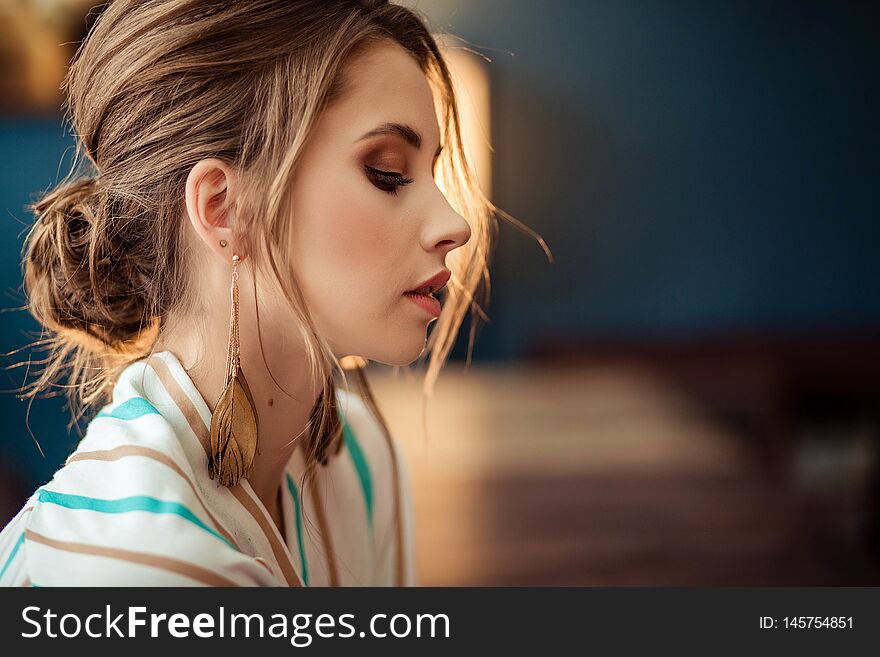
[387, 181]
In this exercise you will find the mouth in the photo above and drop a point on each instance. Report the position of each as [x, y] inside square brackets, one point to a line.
[422, 295]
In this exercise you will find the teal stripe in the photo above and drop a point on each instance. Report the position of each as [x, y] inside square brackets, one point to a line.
[12, 554]
[124, 505]
[130, 409]
[297, 513]
[363, 469]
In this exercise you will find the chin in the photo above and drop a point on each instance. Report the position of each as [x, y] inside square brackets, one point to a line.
[398, 353]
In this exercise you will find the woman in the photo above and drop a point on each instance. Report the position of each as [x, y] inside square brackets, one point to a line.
[264, 197]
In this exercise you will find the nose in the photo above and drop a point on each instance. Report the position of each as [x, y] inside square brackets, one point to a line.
[447, 230]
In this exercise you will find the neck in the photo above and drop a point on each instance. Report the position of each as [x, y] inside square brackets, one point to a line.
[282, 414]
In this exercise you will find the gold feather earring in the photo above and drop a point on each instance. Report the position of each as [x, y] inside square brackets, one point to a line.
[234, 420]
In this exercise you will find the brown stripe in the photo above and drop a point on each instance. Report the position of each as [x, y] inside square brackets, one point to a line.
[156, 561]
[183, 402]
[326, 538]
[202, 432]
[265, 524]
[395, 473]
[135, 450]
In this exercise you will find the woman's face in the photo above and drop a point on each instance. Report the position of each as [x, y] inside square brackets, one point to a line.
[360, 239]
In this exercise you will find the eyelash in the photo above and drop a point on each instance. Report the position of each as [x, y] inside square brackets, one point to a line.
[387, 181]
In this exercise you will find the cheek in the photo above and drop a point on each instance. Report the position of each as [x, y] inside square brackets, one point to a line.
[346, 253]
[361, 234]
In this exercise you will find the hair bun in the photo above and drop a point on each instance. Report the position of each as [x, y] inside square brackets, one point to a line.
[78, 284]
[68, 205]
[64, 218]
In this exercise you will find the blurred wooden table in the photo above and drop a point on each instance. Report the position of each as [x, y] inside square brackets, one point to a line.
[603, 475]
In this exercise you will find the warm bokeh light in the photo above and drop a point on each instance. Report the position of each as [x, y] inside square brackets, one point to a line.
[37, 39]
[471, 81]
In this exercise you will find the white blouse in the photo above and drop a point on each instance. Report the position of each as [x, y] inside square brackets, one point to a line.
[133, 505]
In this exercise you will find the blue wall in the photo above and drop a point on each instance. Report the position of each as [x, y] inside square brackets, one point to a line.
[30, 153]
[695, 167]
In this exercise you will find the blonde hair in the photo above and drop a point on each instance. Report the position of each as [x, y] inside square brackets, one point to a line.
[156, 87]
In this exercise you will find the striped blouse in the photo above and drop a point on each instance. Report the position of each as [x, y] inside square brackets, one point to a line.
[133, 504]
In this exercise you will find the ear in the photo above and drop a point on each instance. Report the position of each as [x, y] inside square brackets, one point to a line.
[208, 186]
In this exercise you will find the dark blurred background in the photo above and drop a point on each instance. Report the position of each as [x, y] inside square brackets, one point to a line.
[690, 392]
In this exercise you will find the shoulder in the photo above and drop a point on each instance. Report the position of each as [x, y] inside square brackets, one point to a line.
[128, 457]
[124, 511]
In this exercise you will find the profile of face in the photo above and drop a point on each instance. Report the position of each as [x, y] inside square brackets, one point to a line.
[369, 222]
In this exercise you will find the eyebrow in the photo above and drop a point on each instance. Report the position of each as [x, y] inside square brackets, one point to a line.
[409, 135]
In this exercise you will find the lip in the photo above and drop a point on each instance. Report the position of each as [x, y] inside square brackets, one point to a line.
[426, 302]
[437, 282]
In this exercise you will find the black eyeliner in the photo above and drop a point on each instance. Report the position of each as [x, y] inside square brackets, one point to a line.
[381, 179]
